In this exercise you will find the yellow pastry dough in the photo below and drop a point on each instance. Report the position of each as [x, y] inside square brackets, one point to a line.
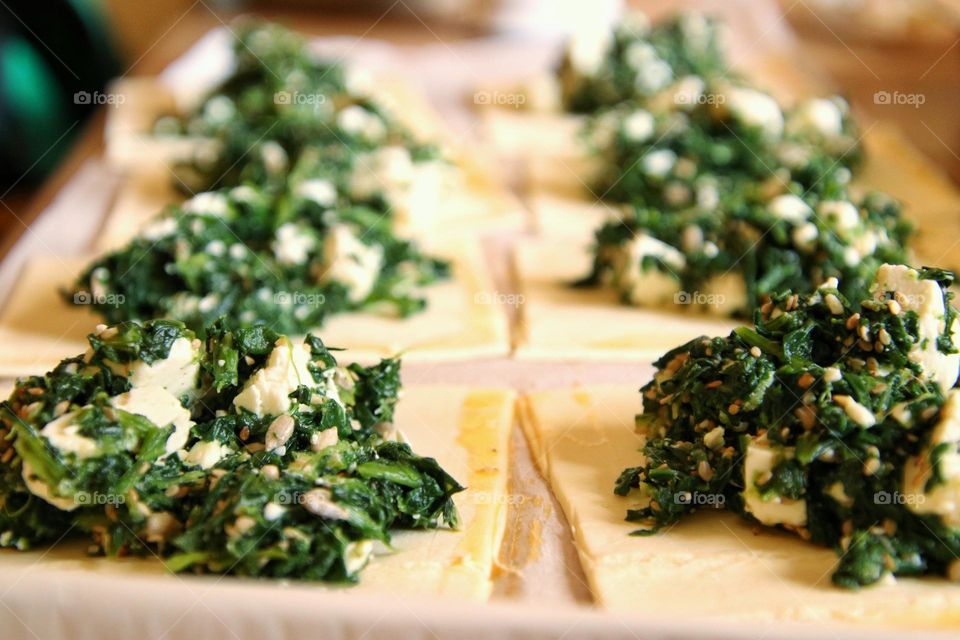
[465, 429]
[559, 322]
[38, 328]
[712, 565]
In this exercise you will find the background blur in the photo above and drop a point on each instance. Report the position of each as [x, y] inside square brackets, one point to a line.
[56, 57]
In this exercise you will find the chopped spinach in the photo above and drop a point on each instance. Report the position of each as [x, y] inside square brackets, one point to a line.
[300, 489]
[826, 419]
[727, 196]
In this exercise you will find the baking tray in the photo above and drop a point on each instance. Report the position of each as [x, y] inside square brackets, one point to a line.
[539, 588]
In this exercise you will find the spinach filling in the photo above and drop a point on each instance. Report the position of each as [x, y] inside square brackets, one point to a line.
[830, 420]
[727, 196]
[280, 101]
[307, 185]
[238, 453]
[636, 60]
[288, 262]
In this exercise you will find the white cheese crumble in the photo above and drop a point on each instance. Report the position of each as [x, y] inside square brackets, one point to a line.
[647, 286]
[219, 109]
[160, 407]
[350, 262]
[790, 208]
[206, 454]
[177, 373]
[238, 251]
[684, 94]
[639, 126]
[274, 157]
[925, 298]
[320, 440]
[708, 195]
[818, 116]
[658, 163]
[755, 109]
[159, 229]
[208, 203]
[317, 190]
[843, 215]
[653, 72]
[832, 374]
[943, 499]
[804, 236]
[273, 511]
[759, 462]
[267, 390]
[63, 434]
[292, 245]
[360, 123]
[725, 293]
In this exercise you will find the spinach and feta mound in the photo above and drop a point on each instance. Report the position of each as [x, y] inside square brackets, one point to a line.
[690, 142]
[635, 60]
[837, 422]
[726, 195]
[729, 259]
[283, 101]
[254, 258]
[237, 452]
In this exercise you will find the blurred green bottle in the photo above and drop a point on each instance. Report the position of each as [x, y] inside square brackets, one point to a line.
[56, 57]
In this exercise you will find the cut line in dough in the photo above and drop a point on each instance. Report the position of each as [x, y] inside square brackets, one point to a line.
[467, 430]
[461, 320]
[560, 322]
[710, 566]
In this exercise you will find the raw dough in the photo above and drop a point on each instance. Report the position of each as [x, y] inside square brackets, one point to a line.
[559, 322]
[713, 565]
[462, 319]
